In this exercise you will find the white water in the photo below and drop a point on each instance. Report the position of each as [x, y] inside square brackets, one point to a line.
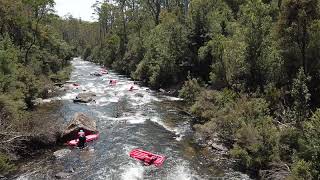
[126, 120]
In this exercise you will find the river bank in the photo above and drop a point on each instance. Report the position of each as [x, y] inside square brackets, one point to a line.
[29, 130]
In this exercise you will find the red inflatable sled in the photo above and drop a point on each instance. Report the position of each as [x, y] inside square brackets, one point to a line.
[89, 138]
[143, 156]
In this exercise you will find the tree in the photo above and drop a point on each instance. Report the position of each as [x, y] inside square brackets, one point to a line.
[154, 7]
[310, 144]
[300, 94]
[39, 9]
[294, 23]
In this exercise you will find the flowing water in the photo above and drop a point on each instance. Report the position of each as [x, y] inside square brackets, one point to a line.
[126, 120]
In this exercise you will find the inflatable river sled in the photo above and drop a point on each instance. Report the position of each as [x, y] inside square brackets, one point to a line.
[141, 155]
[89, 138]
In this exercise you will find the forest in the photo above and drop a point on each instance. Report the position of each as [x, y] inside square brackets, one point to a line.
[33, 56]
[248, 69]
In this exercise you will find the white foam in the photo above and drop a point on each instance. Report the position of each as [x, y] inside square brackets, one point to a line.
[171, 98]
[47, 100]
[132, 172]
[181, 172]
[177, 131]
[69, 96]
[136, 119]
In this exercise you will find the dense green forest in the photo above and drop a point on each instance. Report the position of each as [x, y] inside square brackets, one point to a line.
[32, 57]
[248, 69]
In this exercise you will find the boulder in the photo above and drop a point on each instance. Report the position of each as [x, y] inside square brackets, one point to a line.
[138, 95]
[96, 74]
[276, 171]
[61, 153]
[62, 175]
[162, 90]
[84, 97]
[37, 101]
[79, 121]
[70, 170]
[58, 84]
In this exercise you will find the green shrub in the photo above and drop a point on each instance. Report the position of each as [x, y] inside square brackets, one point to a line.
[289, 140]
[310, 143]
[190, 90]
[5, 165]
[300, 94]
[257, 145]
[301, 170]
[62, 75]
[209, 102]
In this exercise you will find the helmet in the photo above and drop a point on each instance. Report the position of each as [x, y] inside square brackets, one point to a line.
[81, 130]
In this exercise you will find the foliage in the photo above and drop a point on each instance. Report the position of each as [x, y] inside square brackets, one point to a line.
[31, 51]
[301, 170]
[257, 61]
[257, 144]
[310, 144]
[300, 94]
[190, 90]
[5, 165]
[165, 48]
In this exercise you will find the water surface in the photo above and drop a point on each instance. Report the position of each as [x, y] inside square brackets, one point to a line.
[126, 120]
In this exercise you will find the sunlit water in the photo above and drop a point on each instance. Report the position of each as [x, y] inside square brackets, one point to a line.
[126, 120]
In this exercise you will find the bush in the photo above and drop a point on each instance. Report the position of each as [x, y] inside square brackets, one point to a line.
[310, 143]
[257, 145]
[289, 140]
[242, 123]
[5, 165]
[190, 90]
[301, 170]
[10, 111]
[62, 75]
[209, 102]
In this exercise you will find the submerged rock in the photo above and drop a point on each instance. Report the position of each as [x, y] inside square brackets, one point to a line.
[96, 74]
[84, 97]
[139, 95]
[162, 90]
[2, 177]
[61, 153]
[62, 175]
[70, 170]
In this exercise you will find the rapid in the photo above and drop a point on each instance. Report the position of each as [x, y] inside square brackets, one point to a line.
[126, 120]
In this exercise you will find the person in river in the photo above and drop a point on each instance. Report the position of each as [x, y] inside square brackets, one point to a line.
[131, 88]
[149, 159]
[112, 82]
[82, 139]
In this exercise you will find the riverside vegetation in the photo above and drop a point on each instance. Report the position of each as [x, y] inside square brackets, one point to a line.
[249, 69]
[33, 55]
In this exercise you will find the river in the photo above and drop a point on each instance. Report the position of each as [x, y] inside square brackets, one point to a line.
[126, 120]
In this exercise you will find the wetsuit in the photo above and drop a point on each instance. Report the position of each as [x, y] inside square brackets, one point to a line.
[82, 139]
